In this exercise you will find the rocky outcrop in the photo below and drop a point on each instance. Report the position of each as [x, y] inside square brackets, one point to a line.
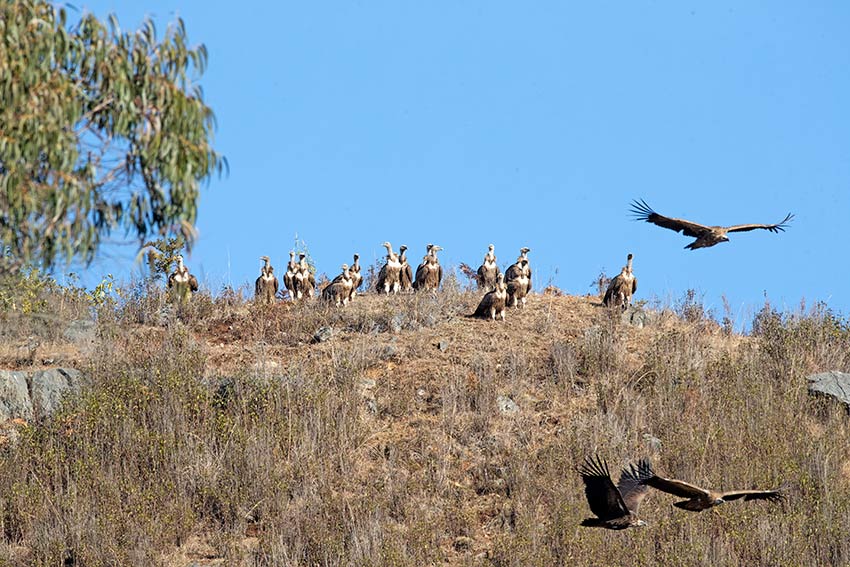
[36, 395]
[834, 384]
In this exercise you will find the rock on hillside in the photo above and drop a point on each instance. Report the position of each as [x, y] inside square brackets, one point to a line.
[35, 395]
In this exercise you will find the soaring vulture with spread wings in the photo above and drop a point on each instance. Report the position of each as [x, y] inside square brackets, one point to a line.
[705, 235]
[699, 499]
[615, 506]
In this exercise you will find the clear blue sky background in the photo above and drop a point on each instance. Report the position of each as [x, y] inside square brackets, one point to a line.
[462, 124]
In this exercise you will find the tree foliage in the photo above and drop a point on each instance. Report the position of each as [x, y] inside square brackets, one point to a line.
[100, 130]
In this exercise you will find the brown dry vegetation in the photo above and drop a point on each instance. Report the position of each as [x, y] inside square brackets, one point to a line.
[224, 435]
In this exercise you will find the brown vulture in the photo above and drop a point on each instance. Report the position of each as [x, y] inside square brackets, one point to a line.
[266, 286]
[622, 287]
[429, 274]
[181, 284]
[493, 302]
[615, 507]
[388, 277]
[699, 499]
[489, 270]
[705, 235]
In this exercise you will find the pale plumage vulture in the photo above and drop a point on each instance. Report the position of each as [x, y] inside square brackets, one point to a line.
[389, 276]
[493, 303]
[339, 290]
[699, 499]
[305, 281]
[181, 284]
[705, 235]
[289, 276]
[520, 284]
[406, 273]
[489, 270]
[429, 274]
[266, 286]
[622, 287]
[615, 507]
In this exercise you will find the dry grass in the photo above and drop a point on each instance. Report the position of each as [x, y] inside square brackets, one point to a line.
[221, 433]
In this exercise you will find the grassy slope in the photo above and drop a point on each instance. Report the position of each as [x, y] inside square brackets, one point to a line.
[379, 448]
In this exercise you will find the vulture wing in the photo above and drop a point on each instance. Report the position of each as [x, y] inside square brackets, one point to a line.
[632, 485]
[258, 286]
[484, 306]
[602, 496]
[644, 212]
[193, 283]
[772, 495]
[778, 227]
[676, 487]
[512, 273]
[171, 277]
[276, 285]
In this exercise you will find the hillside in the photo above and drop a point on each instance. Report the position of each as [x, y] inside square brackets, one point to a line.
[224, 433]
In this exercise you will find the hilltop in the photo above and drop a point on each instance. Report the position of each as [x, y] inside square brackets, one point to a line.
[399, 431]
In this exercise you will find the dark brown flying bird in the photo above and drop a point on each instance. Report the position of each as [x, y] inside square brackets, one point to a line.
[615, 506]
[700, 499]
[705, 235]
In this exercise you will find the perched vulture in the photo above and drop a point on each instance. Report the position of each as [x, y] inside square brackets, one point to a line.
[519, 285]
[356, 278]
[266, 286]
[429, 274]
[339, 290]
[705, 235]
[181, 284]
[289, 276]
[699, 499]
[517, 269]
[493, 302]
[489, 270]
[622, 287]
[615, 507]
[388, 277]
[305, 281]
[406, 273]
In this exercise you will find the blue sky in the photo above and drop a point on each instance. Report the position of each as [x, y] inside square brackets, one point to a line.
[462, 124]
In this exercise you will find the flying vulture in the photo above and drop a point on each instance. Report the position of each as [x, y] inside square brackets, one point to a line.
[615, 506]
[621, 288]
[493, 302]
[699, 499]
[181, 284]
[705, 235]
[266, 286]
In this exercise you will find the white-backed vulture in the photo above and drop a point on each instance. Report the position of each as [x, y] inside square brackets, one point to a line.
[518, 287]
[305, 281]
[516, 269]
[389, 276]
[699, 499]
[489, 270]
[406, 273]
[181, 284]
[705, 235]
[429, 274]
[289, 276]
[266, 286]
[615, 507]
[339, 290]
[493, 303]
[622, 287]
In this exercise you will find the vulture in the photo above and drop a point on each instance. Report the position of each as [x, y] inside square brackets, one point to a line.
[406, 274]
[429, 274]
[388, 277]
[489, 270]
[356, 278]
[181, 284]
[266, 286]
[289, 276]
[699, 499]
[339, 290]
[622, 287]
[305, 282]
[493, 302]
[516, 269]
[705, 235]
[519, 286]
[615, 507]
